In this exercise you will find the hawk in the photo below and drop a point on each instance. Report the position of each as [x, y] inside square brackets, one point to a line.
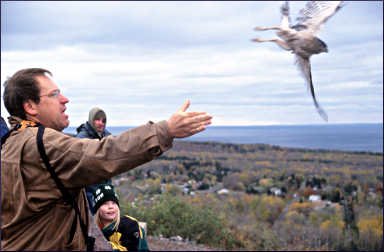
[301, 38]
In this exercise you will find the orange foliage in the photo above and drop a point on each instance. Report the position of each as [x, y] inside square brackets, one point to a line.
[372, 224]
[303, 208]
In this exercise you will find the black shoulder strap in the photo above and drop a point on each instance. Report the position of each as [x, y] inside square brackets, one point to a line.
[68, 197]
[40, 145]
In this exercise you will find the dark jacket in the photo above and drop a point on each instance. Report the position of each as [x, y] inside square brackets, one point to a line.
[34, 215]
[86, 131]
[129, 235]
[4, 127]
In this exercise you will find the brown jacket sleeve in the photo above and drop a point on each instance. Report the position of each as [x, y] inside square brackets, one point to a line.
[80, 162]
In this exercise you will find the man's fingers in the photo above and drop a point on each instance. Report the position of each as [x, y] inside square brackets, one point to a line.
[199, 128]
[198, 119]
[185, 106]
[194, 113]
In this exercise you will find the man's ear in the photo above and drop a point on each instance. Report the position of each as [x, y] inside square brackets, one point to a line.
[30, 108]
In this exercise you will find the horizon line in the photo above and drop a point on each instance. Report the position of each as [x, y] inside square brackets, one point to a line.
[257, 125]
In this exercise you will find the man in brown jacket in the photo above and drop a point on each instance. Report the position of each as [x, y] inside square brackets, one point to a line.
[34, 215]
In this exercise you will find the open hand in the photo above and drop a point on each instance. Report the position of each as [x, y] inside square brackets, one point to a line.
[184, 124]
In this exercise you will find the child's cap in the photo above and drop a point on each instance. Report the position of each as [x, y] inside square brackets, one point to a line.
[104, 193]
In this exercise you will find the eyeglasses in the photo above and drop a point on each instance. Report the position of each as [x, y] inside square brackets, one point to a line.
[54, 94]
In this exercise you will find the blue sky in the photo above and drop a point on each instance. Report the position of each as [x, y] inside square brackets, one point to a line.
[140, 61]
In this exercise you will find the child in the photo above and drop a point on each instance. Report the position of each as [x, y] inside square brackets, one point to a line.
[123, 232]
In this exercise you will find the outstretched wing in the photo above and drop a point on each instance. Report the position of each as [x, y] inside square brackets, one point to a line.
[305, 67]
[285, 18]
[316, 13]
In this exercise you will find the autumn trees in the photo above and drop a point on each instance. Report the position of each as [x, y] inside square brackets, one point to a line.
[269, 206]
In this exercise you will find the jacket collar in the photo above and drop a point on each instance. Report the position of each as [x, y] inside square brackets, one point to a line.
[92, 131]
[20, 124]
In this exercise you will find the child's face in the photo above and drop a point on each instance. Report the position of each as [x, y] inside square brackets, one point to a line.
[108, 211]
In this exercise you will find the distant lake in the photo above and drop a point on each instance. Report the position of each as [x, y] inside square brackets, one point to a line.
[345, 137]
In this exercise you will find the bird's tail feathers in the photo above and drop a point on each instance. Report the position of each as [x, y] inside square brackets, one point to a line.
[341, 5]
[320, 110]
[304, 66]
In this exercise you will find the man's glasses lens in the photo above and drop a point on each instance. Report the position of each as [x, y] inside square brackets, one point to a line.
[54, 94]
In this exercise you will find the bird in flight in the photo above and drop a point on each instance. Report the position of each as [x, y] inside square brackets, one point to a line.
[301, 38]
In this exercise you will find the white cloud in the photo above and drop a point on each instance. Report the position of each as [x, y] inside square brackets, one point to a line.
[140, 60]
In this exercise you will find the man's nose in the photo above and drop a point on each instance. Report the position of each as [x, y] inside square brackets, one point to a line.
[63, 99]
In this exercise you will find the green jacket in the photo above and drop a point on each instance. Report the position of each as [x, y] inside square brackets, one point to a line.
[128, 237]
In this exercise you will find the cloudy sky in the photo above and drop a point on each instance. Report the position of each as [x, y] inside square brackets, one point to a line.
[140, 61]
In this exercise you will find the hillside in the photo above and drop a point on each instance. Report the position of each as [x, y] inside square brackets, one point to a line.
[168, 244]
[212, 162]
[253, 196]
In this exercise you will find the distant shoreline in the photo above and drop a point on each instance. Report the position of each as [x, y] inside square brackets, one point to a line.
[262, 125]
[358, 137]
[283, 147]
